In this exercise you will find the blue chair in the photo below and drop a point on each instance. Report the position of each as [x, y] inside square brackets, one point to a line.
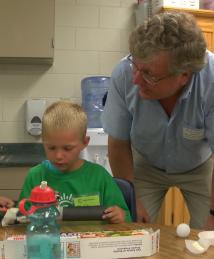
[127, 189]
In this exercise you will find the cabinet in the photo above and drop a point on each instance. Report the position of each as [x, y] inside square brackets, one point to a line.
[174, 210]
[27, 31]
[12, 179]
[205, 19]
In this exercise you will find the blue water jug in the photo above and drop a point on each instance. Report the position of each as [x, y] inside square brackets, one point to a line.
[94, 93]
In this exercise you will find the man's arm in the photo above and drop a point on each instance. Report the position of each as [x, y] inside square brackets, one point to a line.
[120, 158]
[210, 221]
[121, 162]
[212, 194]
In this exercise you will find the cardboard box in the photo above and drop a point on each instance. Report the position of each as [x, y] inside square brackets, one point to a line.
[193, 4]
[123, 244]
[99, 245]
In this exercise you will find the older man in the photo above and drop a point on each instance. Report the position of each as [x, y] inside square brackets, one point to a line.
[159, 116]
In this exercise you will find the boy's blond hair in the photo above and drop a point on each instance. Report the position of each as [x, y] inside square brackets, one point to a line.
[64, 115]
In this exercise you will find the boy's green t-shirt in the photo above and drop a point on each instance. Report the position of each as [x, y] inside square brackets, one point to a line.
[90, 185]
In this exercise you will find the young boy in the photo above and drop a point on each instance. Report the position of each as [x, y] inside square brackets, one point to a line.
[78, 182]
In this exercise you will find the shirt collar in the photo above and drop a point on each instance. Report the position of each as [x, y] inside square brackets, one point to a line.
[188, 88]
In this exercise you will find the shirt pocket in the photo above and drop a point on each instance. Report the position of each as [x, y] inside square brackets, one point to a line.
[192, 134]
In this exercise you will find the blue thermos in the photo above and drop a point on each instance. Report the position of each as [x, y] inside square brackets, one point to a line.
[42, 234]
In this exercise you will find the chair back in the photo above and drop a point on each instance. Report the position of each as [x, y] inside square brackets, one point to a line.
[127, 189]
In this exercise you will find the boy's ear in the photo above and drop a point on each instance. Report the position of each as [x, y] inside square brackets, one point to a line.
[86, 141]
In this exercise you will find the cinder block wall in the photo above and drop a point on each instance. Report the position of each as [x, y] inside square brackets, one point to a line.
[90, 37]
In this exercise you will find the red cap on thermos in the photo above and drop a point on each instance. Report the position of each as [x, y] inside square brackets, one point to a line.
[41, 194]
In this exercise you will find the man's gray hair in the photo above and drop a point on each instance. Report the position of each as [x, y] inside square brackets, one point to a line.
[176, 33]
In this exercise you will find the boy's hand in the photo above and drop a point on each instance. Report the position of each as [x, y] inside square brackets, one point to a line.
[114, 214]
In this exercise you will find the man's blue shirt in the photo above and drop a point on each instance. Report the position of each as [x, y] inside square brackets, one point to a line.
[176, 144]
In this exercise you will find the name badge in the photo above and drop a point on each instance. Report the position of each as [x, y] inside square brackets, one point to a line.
[87, 200]
[193, 134]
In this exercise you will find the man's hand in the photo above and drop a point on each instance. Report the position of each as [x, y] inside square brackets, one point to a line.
[114, 214]
[142, 215]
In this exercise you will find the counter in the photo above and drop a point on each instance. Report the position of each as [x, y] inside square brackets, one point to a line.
[21, 154]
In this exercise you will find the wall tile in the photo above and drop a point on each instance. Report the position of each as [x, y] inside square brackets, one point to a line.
[17, 85]
[120, 18]
[64, 3]
[31, 139]
[64, 37]
[54, 86]
[99, 2]
[124, 40]
[77, 85]
[75, 62]
[98, 39]
[128, 3]
[79, 16]
[108, 60]
[13, 109]
[12, 132]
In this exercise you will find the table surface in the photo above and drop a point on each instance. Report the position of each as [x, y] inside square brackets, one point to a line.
[171, 246]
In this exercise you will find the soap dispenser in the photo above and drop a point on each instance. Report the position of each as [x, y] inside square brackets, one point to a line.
[34, 112]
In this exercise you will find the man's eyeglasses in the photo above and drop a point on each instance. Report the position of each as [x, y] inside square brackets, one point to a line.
[149, 79]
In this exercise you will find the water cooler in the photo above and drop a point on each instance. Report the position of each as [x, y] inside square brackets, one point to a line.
[94, 94]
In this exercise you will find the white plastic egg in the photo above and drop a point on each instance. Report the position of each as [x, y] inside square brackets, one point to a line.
[183, 230]
[195, 247]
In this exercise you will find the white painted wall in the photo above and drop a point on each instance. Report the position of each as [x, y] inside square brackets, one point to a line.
[90, 38]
